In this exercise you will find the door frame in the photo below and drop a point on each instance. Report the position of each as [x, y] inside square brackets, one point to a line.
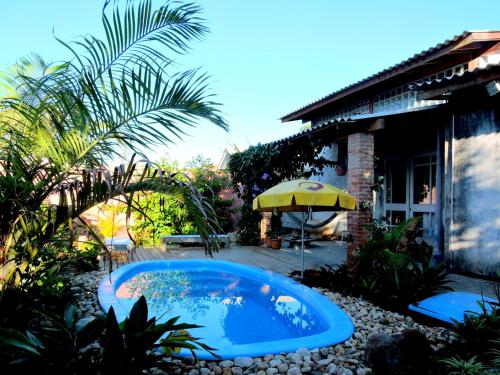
[410, 208]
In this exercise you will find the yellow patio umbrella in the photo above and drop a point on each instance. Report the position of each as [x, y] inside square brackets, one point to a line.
[303, 196]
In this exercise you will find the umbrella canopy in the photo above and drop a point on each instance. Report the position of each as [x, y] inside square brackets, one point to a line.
[303, 195]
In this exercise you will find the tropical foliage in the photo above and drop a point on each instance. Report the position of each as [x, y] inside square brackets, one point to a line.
[260, 167]
[478, 335]
[457, 366]
[161, 215]
[476, 348]
[62, 344]
[212, 183]
[392, 269]
[59, 123]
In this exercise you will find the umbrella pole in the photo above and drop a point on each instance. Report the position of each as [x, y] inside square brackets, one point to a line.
[302, 247]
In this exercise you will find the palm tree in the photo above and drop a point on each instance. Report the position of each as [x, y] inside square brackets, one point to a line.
[60, 123]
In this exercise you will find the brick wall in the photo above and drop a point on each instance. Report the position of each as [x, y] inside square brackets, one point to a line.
[360, 178]
[265, 225]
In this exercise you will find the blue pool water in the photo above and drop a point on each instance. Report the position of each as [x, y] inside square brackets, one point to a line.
[245, 311]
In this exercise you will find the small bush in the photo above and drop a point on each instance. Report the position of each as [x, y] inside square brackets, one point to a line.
[81, 259]
[393, 270]
[477, 340]
[59, 343]
[161, 215]
[478, 334]
[457, 366]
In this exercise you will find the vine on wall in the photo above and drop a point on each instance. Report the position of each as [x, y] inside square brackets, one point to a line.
[262, 166]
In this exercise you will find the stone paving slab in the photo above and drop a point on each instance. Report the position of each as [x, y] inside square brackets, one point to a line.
[473, 285]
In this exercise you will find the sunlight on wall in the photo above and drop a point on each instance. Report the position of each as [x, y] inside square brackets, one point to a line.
[480, 155]
[475, 230]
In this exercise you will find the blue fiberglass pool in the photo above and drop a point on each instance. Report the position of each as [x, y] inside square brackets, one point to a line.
[245, 311]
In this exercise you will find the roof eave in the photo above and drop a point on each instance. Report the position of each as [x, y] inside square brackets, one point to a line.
[462, 41]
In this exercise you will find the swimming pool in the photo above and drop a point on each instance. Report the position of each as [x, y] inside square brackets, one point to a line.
[245, 310]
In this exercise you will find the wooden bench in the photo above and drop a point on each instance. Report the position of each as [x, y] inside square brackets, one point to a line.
[190, 239]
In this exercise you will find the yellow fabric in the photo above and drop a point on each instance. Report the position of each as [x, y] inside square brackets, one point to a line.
[298, 195]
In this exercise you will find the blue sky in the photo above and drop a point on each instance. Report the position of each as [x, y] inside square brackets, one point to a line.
[266, 57]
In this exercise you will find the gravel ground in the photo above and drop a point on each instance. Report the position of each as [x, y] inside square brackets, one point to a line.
[342, 359]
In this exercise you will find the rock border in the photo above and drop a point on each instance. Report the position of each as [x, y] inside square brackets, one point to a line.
[342, 359]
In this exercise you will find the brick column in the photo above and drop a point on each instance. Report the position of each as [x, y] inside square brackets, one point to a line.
[265, 225]
[360, 179]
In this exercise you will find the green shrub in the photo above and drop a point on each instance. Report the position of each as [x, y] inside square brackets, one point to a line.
[162, 215]
[86, 256]
[59, 344]
[392, 269]
[127, 346]
[107, 225]
[457, 366]
[478, 334]
[494, 352]
[262, 166]
[159, 216]
[42, 276]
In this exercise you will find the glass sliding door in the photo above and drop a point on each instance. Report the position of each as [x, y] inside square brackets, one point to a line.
[411, 191]
[423, 193]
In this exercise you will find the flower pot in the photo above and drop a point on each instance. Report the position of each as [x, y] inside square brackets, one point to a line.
[340, 170]
[276, 243]
[267, 241]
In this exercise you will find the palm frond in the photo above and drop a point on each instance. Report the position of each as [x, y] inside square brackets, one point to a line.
[59, 123]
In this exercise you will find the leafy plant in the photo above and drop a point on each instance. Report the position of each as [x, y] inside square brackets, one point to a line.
[329, 277]
[478, 333]
[127, 346]
[80, 258]
[54, 346]
[60, 123]
[212, 183]
[62, 344]
[458, 366]
[260, 167]
[494, 352]
[12, 338]
[394, 270]
[84, 258]
[65, 337]
[162, 215]
[107, 224]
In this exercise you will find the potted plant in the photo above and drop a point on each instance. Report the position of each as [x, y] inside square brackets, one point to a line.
[275, 241]
[275, 230]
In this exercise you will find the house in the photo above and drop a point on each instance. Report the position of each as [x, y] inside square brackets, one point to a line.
[426, 132]
[226, 155]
